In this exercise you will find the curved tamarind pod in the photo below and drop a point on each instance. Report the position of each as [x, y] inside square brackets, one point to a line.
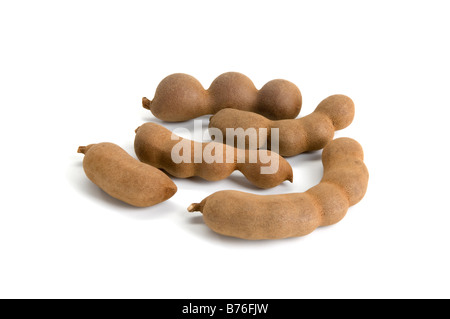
[251, 216]
[155, 145]
[181, 97]
[308, 133]
[125, 178]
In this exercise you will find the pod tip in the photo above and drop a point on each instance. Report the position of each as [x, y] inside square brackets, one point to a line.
[82, 149]
[194, 208]
[146, 103]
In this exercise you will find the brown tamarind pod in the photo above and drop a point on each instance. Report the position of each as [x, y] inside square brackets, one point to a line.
[159, 147]
[125, 178]
[250, 216]
[296, 136]
[181, 97]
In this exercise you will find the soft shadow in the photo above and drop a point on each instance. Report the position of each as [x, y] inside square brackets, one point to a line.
[194, 179]
[312, 156]
[83, 185]
[196, 220]
[241, 180]
[238, 179]
[161, 210]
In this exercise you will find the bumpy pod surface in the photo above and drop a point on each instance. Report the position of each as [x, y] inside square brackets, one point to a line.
[296, 136]
[181, 97]
[157, 146]
[125, 178]
[251, 216]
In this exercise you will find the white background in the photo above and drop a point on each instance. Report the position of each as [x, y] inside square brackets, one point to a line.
[73, 73]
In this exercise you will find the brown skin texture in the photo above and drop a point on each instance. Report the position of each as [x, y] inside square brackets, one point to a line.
[181, 97]
[309, 133]
[153, 145]
[125, 178]
[254, 217]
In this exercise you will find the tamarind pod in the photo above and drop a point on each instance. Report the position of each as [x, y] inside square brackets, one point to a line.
[296, 136]
[121, 176]
[155, 145]
[254, 217]
[181, 97]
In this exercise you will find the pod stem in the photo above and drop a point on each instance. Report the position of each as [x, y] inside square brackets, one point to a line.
[196, 207]
[146, 103]
[82, 149]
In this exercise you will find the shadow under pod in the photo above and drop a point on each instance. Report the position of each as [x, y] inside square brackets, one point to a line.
[312, 156]
[83, 185]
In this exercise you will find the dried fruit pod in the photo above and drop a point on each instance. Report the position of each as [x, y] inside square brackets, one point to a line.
[308, 133]
[251, 216]
[157, 146]
[181, 97]
[120, 175]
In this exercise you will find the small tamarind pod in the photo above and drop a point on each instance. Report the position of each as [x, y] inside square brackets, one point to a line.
[123, 177]
[157, 146]
[181, 97]
[296, 136]
[250, 216]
